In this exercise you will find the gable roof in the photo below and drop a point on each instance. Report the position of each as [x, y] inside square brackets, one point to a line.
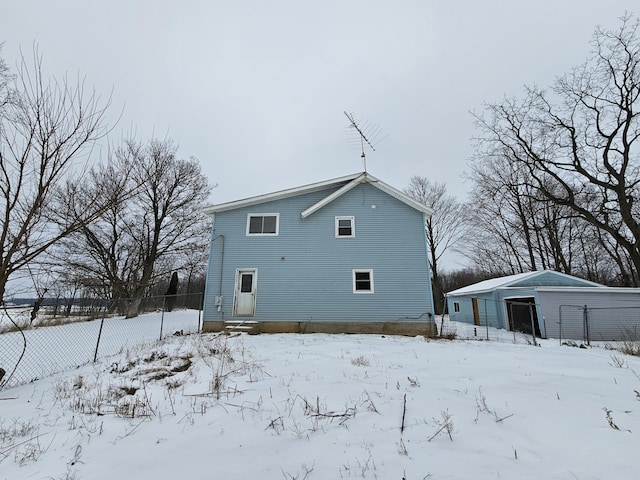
[344, 185]
[516, 280]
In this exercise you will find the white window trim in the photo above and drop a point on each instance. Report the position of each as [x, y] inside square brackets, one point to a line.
[456, 307]
[362, 270]
[277, 215]
[353, 226]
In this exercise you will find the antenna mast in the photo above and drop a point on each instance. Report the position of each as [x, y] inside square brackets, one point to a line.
[373, 133]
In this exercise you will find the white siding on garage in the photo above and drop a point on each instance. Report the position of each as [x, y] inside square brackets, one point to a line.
[611, 313]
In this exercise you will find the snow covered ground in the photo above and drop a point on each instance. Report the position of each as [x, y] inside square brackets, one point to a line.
[329, 407]
[42, 351]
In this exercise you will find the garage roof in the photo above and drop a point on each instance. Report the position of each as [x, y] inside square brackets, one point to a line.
[527, 279]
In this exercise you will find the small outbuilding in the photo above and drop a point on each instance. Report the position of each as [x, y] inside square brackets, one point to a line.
[553, 304]
[347, 255]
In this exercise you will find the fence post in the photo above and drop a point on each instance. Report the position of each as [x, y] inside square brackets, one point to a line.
[486, 318]
[533, 325]
[164, 301]
[511, 324]
[95, 355]
[585, 316]
[560, 319]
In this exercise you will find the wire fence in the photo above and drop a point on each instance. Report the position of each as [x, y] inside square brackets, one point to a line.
[511, 320]
[598, 324]
[449, 328]
[526, 320]
[63, 335]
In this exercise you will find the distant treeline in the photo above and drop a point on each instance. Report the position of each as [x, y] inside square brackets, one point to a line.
[48, 302]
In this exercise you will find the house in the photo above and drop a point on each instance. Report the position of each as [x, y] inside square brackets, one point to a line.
[555, 304]
[347, 255]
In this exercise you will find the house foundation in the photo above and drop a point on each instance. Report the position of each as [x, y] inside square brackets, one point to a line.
[427, 329]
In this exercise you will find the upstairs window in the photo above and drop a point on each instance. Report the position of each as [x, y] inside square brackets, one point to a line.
[345, 227]
[263, 224]
[363, 281]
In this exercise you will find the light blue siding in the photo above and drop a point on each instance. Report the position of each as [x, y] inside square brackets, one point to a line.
[488, 309]
[552, 279]
[305, 273]
[491, 303]
[492, 307]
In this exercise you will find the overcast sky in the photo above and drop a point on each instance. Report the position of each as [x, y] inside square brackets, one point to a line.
[256, 89]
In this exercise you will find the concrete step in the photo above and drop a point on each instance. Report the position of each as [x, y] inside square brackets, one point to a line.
[248, 326]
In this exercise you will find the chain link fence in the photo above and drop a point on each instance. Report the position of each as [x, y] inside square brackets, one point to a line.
[35, 343]
[597, 324]
[486, 319]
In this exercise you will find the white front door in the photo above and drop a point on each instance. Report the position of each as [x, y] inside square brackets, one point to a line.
[244, 302]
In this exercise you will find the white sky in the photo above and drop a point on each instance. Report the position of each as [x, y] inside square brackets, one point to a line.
[256, 89]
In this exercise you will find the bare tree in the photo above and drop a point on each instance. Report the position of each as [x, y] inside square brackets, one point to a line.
[578, 142]
[502, 235]
[144, 236]
[453, 279]
[5, 79]
[514, 229]
[444, 229]
[47, 131]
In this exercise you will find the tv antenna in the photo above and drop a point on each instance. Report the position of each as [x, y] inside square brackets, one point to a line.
[368, 134]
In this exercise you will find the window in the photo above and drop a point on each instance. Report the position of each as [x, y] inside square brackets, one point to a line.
[456, 306]
[246, 283]
[345, 227]
[363, 281]
[263, 224]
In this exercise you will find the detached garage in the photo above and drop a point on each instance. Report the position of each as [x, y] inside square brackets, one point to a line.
[553, 304]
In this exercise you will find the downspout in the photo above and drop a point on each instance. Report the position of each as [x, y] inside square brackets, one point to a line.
[426, 247]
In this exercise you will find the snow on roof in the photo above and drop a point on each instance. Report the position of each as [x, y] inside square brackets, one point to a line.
[509, 280]
[491, 284]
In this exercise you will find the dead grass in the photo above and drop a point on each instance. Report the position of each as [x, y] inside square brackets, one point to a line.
[360, 361]
[21, 440]
[630, 345]
[630, 348]
[448, 335]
